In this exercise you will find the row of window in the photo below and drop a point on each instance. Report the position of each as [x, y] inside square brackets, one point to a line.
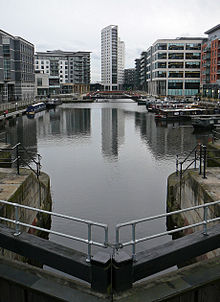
[177, 46]
[178, 56]
[173, 74]
[176, 65]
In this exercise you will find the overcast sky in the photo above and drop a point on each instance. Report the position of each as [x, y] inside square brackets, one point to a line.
[74, 25]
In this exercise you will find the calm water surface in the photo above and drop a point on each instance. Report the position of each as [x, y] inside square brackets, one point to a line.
[107, 162]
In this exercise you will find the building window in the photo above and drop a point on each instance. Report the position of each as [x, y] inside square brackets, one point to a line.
[193, 56]
[175, 46]
[175, 65]
[174, 56]
[192, 65]
[39, 82]
[175, 74]
[193, 46]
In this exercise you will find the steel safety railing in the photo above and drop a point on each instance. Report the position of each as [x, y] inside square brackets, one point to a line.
[17, 158]
[205, 220]
[89, 223]
[134, 241]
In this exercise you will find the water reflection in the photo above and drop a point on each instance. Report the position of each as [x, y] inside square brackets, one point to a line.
[112, 132]
[107, 162]
[64, 122]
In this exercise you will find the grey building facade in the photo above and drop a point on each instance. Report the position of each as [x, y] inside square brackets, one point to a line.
[64, 67]
[129, 78]
[16, 68]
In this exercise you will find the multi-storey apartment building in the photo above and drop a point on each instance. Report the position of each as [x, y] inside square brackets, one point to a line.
[16, 68]
[171, 67]
[210, 63]
[112, 58]
[137, 77]
[64, 67]
[129, 78]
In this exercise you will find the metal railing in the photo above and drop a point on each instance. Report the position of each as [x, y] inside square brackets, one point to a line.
[89, 223]
[16, 158]
[205, 220]
[198, 153]
[133, 242]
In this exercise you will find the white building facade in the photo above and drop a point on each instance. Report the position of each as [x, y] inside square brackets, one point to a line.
[112, 58]
[173, 68]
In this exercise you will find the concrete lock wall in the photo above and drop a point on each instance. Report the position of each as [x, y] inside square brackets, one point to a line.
[192, 191]
[26, 189]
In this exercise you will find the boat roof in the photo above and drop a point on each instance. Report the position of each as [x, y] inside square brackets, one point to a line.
[182, 109]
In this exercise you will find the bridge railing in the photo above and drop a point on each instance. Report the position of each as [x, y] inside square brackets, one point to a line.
[89, 223]
[134, 241]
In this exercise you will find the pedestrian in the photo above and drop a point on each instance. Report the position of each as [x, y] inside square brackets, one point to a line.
[6, 112]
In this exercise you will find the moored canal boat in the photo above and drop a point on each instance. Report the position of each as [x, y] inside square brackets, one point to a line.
[178, 114]
[32, 109]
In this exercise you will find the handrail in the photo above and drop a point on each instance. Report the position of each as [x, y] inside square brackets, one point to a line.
[18, 157]
[89, 223]
[118, 244]
[179, 164]
[134, 223]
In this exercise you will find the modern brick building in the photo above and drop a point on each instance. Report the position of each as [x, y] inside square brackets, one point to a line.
[210, 63]
[17, 80]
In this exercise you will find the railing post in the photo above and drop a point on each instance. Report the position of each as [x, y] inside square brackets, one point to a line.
[17, 157]
[195, 158]
[88, 259]
[181, 171]
[38, 164]
[200, 160]
[177, 165]
[117, 238]
[17, 231]
[204, 161]
[133, 242]
[205, 215]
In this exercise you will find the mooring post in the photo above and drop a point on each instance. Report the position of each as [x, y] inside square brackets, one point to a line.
[101, 273]
[122, 271]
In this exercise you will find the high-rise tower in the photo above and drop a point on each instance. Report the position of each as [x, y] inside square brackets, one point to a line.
[112, 58]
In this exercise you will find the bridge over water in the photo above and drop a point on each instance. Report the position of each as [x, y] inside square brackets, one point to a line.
[114, 95]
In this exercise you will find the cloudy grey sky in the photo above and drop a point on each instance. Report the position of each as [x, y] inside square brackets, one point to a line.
[76, 25]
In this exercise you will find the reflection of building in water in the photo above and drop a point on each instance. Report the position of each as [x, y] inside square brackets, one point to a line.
[23, 130]
[64, 122]
[171, 140]
[112, 131]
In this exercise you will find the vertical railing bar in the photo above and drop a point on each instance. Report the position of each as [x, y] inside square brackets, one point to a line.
[205, 215]
[195, 157]
[204, 161]
[17, 157]
[88, 259]
[133, 242]
[177, 165]
[200, 160]
[17, 231]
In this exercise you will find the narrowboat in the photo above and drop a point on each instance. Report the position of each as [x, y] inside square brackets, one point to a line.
[32, 109]
[203, 123]
[178, 114]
